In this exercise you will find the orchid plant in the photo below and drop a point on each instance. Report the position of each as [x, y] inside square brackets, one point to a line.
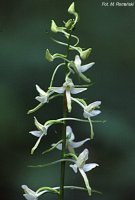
[69, 92]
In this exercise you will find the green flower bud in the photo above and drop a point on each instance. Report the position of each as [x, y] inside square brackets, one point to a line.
[71, 8]
[49, 56]
[72, 11]
[69, 24]
[54, 27]
[85, 54]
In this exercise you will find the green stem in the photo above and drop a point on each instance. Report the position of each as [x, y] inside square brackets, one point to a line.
[62, 176]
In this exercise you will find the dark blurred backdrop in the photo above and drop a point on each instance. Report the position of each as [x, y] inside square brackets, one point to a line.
[24, 36]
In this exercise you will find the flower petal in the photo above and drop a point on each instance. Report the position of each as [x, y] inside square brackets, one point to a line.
[93, 113]
[78, 144]
[36, 133]
[69, 133]
[42, 99]
[77, 61]
[27, 190]
[41, 92]
[58, 90]
[77, 90]
[88, 167]
[29, 197]
[30, 194]
[84, 68]
[93, 105]
[82, 158]
[74, 167]
[37, 124]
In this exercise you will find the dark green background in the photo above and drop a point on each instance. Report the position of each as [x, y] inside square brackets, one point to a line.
[24, 36]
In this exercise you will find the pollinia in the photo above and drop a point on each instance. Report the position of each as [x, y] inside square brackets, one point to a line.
[69, 91]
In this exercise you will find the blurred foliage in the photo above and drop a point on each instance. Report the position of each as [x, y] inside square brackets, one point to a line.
[24, 36]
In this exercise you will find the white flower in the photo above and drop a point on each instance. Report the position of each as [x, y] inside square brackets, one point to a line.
[70, 144]
[42, 131]
[69, 88]
[82, 167]
[80, 162]
[43, 96]
[89, 111]
[30, 194]
[82, 68]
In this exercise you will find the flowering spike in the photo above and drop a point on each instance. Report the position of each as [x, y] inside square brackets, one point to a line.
[67, 144]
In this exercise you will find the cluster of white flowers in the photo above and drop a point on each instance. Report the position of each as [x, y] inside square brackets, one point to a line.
[67, 90]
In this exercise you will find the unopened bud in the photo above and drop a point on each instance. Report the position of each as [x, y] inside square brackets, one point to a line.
[49, 56]
[54, 27]
[85, 54]
[71, 8]
[69, 24]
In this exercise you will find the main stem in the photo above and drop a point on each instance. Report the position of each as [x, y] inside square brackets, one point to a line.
[62, 176]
